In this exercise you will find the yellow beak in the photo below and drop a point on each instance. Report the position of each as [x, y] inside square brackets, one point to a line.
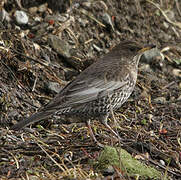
[146, 48]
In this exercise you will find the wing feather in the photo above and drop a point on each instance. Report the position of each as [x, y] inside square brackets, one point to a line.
[85, 92]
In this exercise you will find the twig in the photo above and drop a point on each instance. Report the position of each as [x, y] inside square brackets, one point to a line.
[35, 83]
[50, 157]
[92, 17]
[177, 6]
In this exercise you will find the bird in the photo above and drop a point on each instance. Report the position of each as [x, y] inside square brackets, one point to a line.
[98, 90]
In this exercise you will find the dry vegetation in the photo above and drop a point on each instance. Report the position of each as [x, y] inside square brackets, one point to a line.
[39, 58]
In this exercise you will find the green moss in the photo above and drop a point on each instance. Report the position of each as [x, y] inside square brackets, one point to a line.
[123, 160]
[144, 122]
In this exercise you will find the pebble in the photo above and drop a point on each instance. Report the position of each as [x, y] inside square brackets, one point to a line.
[180, 88]
[160, 100]
[166, 25]
[149, 55]
[42, 7]
[33, 10]
[177, 72]
[21, 17]
[64, 49]
[162, 162]
[38, 19]
[57, 17]
[97, 48]
[108, 171]
[54, 87]
[86, 4]
[179, 98]
[171, 15]
[83, 22]
[61, 46]
[4, 16]
[107, 20]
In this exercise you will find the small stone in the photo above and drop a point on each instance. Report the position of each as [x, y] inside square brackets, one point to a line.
[102, 35]
[107, 20]
[69, 73]
[162, 162]
[32, 177]
[33, 10]
[54, 87]
[4, 16]
[150, 117]
[61, 46]
[177, 61]
[97, 48]
[83, 22]
[61, 18]
[177, 72]
[145, 68]
[149, 55]
[108, 171]
[171, 15]
[160, 100]
[42, 7]
[86, 4]
[180, 88]
[57, 17]
[64, 49]
[166, 25]
[179, 98]
[21, 17]
[166, 36]
[38, 19]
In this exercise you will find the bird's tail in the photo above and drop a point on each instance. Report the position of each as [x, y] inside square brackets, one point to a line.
[32, 119]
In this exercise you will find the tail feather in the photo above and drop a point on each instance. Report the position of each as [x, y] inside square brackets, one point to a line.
[32, 119]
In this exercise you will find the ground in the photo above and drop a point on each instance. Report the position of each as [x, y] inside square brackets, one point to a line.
[61, 39]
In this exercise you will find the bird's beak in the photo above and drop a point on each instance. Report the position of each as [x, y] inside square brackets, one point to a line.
[147, 47]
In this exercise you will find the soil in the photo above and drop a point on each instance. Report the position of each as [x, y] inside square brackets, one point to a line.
[59, 41]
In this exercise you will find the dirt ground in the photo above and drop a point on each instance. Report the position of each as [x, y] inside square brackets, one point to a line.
[60, 40]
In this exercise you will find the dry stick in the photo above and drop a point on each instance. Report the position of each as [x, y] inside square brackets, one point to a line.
[92, 17]
[177, 6]
[50, 157]
[51, 132]
[34, 85]
[72, 34]
[46, 151]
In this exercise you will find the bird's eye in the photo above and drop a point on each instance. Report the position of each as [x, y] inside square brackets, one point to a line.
[132, 48]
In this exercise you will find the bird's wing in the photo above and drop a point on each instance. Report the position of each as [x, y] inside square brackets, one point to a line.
[98, 88]
[86, 90]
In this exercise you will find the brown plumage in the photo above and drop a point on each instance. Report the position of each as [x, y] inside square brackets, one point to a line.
[105, 84]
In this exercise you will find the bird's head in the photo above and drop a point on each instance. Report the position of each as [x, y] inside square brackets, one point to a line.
[131, 48]
[136, 50]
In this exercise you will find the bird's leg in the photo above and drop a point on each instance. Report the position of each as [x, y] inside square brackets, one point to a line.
[92, 134]
[104, 121]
